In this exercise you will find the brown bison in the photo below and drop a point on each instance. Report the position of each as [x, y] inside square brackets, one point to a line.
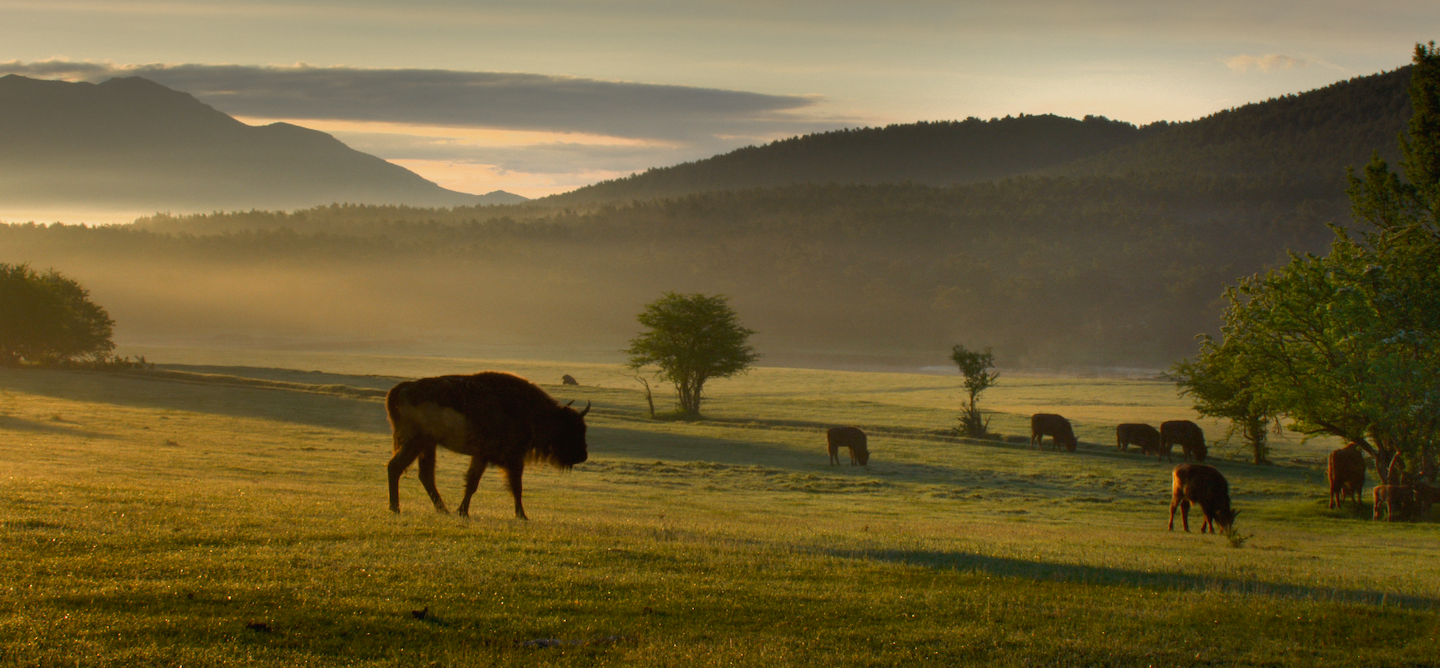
[1187, 435]
[1054, 426]
[1345, 469]
[1398, 501]
[568, 379]
[1204, 486]
[851, 438]
[1143, 435]
[496, 418]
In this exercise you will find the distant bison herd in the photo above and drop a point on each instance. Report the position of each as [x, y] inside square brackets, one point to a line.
[503, 420]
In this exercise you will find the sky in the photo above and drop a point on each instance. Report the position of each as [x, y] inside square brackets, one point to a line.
[536, 97]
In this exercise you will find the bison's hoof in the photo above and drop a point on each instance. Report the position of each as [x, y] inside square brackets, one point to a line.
[395, 509]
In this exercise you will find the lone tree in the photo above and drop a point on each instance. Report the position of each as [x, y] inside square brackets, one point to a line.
[976, 367]
[691, 338]
[1348, 343]
[48, 319]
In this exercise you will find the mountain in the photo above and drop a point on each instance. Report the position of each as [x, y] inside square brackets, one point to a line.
[1308, 138]
[928, 153]
[133, 143]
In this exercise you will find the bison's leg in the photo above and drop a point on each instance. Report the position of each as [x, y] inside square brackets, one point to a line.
[404, 456]
[834, 454]
[1174, 503]
[512, 476]
[472, 481]
[427, 478]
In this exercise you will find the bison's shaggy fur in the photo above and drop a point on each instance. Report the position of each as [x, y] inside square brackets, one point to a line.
[1143, 435]
[852, 439]
[1345, 469]
[1206, 487]
[1054, 426]
[1186, 434]
[496, 418]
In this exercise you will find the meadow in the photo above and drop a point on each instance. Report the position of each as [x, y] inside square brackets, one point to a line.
[229, 508]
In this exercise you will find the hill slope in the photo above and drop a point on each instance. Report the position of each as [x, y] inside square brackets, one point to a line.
[938, 153]
[1310, 137]
[131, 142]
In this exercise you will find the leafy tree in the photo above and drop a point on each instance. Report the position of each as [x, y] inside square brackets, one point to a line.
[691, 338]
[48, 318]
[1221, 386]
[1348, 344]
[976, 367]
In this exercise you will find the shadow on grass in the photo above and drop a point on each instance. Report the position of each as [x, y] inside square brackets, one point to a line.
[1073, 573]
[52, 426]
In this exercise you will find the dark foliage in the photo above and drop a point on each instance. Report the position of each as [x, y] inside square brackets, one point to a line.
[49, 319]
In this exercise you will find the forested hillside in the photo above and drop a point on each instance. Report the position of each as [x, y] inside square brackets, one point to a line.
[1050, 272]
[936, 153]
[1306, 138]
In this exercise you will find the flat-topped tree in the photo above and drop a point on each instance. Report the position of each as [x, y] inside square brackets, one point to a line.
[692, 339]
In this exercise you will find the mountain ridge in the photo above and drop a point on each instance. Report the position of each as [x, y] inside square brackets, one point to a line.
[131, 142]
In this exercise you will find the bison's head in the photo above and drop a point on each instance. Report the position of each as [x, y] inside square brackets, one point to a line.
[1225, 517]
[861, 455]
[1069, 441]
[567, 439]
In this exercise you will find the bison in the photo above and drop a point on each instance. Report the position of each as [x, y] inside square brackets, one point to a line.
[851, 438]
[1143, 435]
[1054, 426]
[1204, 486]
[1187, 435]
[1398, 501]
[568, 379]
[1345, 469]
[496, 418]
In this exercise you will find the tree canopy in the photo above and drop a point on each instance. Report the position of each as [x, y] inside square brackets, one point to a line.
[691, 338]
[1348, 343]
[48, 318]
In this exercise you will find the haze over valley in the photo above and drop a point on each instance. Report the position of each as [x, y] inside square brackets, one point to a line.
[1059, 242]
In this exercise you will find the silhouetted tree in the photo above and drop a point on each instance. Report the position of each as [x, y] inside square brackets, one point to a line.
[976, 367]
[48, 318]
[691, 338]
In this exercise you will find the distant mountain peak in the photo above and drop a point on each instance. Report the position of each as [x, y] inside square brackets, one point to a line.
[130, 142]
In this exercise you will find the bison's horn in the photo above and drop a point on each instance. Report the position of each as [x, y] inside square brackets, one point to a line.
[587, 408]
[570, 402]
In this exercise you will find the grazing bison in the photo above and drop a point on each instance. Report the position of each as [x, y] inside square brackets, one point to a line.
[568, 379]
[1204, 486]
[1397, 500]
[851, 438]
[1054, 426]
[496, 418]
[1143, 435]
[1187, 435]
[1345, 469]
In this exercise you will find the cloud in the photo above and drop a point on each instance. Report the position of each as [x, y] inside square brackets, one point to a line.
[1267, 63]
[462, 99]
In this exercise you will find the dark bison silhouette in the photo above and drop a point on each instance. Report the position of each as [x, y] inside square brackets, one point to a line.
[1186, 434]
[851, 438]
[496, 418]
[1143, 435]
[1345, 470]
[1054, 426]
[1204, 486]
[568, 379]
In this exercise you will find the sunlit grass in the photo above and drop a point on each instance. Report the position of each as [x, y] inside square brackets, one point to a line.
[154, 522]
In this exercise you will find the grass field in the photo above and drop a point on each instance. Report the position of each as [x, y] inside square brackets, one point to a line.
[233, 512]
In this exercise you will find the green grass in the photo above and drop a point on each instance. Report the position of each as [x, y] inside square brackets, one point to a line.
[148, 520]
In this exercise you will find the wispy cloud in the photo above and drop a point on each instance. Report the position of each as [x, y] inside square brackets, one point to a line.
[1269, 62]
[502, 100]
